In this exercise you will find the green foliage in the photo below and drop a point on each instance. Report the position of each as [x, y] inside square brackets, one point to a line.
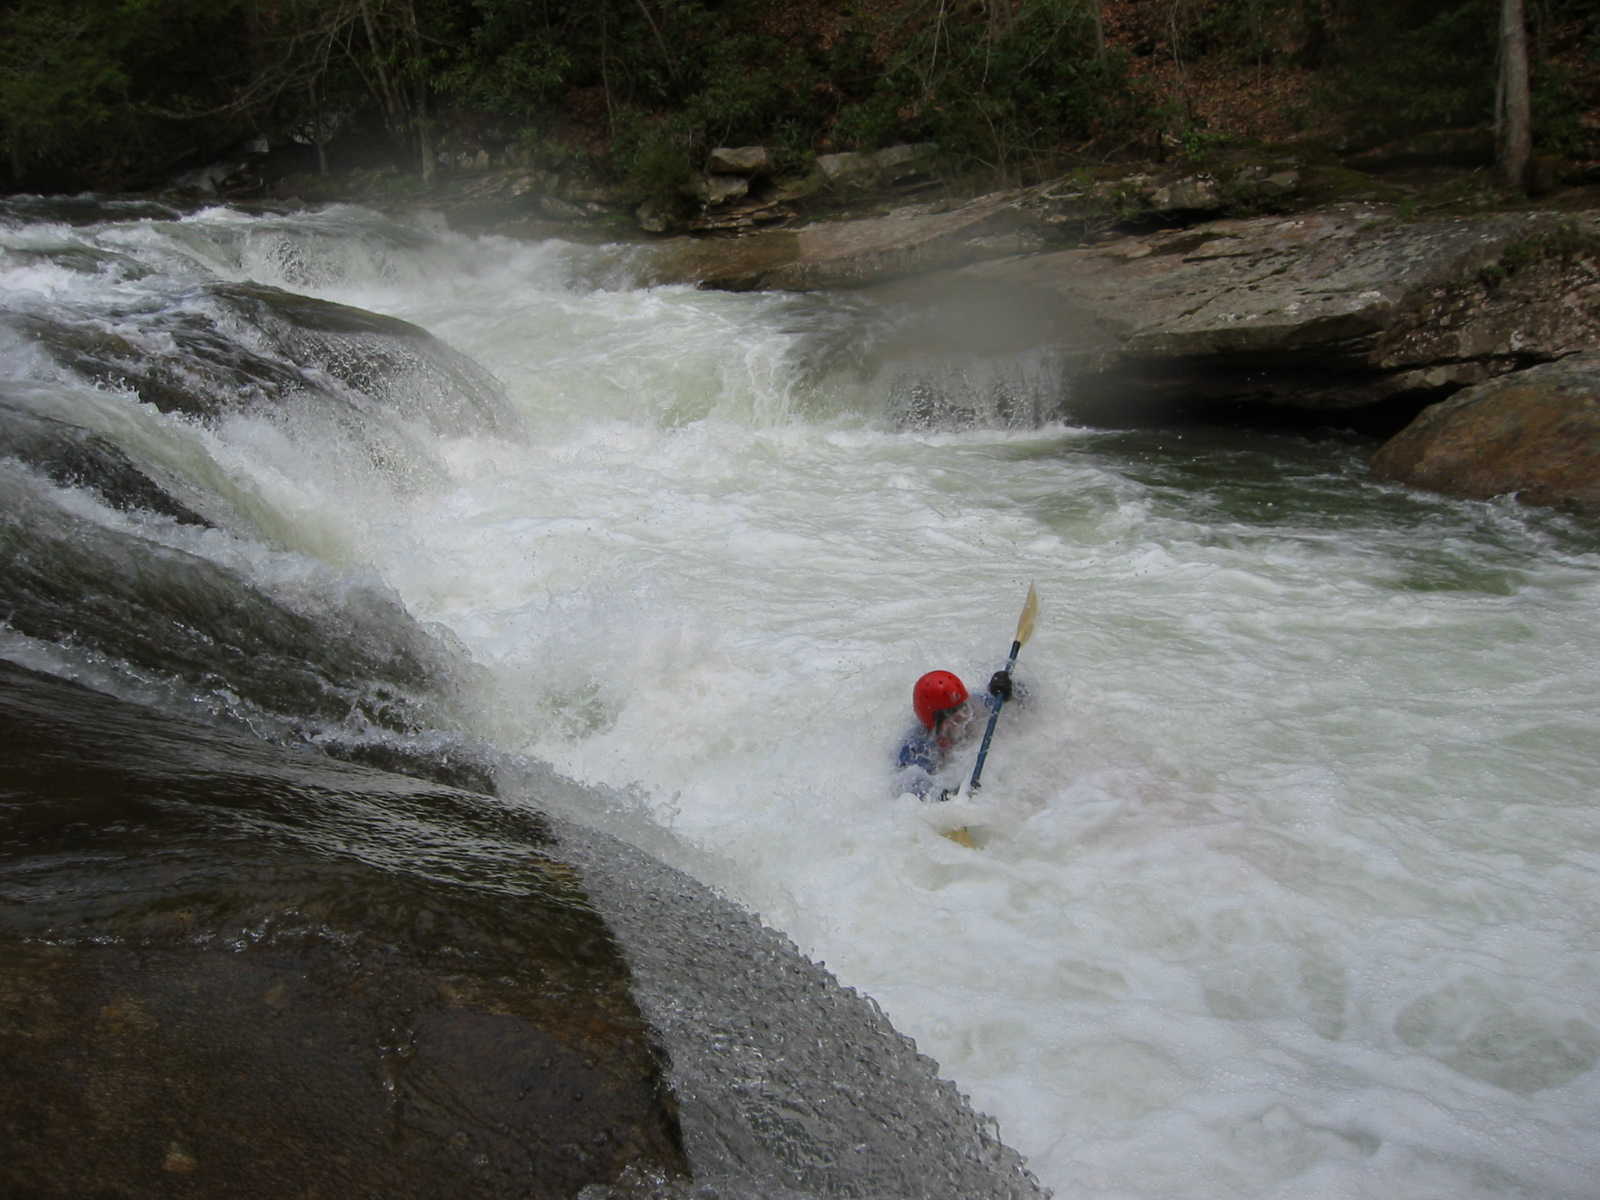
[1010, 95]
[1410, 65]
[92, 87]
[871, 122]
[999, 87]
[654, 158]
[1564, 242]
[59, 77]
[521, 79]
[1559, 106]
[1198, 144]
[750, 85]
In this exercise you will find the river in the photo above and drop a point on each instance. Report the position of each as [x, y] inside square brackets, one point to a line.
[1287, 874]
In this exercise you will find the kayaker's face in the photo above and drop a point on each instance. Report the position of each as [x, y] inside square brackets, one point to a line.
[953, 722]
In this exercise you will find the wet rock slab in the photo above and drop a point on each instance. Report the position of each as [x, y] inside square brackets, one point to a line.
[214, 980]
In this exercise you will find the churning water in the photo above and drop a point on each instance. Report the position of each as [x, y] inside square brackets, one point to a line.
[1286, 875]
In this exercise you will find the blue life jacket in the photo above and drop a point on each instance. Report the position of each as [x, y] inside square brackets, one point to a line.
[922, 758]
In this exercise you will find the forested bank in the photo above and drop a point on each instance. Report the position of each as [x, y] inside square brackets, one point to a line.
[124, 94]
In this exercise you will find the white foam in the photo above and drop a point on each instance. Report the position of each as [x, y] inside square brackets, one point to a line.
[1285, 875]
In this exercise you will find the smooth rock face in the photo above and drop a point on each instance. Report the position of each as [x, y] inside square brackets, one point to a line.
[1535, 434]
[1352, 287]
[224, 972]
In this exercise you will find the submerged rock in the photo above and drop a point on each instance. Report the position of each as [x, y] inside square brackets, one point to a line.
[75, 457]
[195, 365]
[1535, 434]
[318, 661]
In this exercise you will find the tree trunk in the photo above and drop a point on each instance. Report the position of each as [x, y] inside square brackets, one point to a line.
[1513, 120]
[394, 107]
[317, 133]
[421, 118]
[426, 157]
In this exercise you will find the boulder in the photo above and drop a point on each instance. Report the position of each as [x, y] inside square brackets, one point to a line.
[864, 170]
[898, 164]
[237, 174]
[717, 190]
[749, 161]
[1354, 286]
[740, 218]
[1086, 207]
[1193, 193]
[1535, 435]
[656, 217]
[850, 168]
[202, 996]
[1354, 309]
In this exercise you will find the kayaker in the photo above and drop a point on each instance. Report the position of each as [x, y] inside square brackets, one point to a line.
[947, 717]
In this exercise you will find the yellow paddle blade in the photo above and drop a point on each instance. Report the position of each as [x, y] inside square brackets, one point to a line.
[1030, 610]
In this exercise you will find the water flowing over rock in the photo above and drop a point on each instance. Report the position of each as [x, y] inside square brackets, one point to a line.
[675, 605]
[74, 457]
[254, 973]
[322, 661]
[345, 357]
[1535, 434]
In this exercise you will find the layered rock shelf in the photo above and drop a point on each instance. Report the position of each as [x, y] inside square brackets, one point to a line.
[1355, 314]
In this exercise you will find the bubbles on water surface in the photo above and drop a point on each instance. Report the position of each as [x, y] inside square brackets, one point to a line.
[1485, 1031]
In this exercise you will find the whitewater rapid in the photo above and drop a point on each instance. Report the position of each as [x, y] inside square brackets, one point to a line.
[1286, 876]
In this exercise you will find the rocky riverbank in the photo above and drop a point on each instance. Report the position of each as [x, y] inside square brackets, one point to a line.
[1264, 288]
[1163, 302]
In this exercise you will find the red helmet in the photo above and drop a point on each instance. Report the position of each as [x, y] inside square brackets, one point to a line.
[935, 692]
